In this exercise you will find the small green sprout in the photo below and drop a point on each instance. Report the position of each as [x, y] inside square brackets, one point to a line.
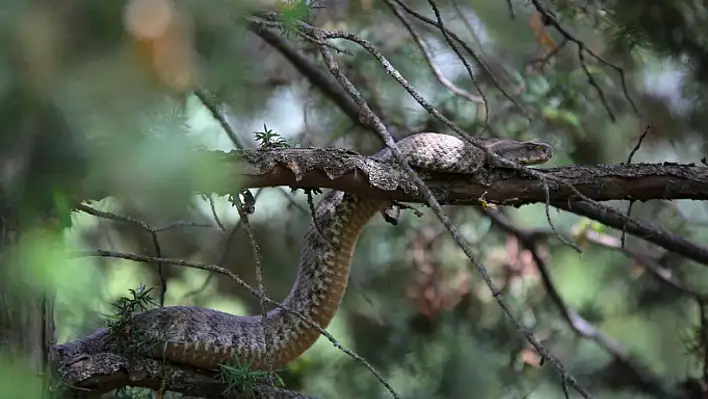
[270, 139]
[241, 378]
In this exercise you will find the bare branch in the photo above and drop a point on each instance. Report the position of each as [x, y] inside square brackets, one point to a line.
[550, 19]
[643, 229]
[153, 235]
[464, 45]
[243, 212]
[629, 160]
[348, 171]
[656, 270]
[436, 71]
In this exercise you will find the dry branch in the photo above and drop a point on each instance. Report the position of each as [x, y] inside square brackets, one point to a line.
[348, 171]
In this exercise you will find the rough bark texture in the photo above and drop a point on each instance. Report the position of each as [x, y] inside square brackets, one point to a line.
[349, 171]
[104, 372]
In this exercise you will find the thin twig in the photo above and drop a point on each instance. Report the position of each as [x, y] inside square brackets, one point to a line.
[512, 14]
[550, 19]
[641, 228]
[292, 201]
[206, 99]
[646, 131]
[465, 46]
[660, 273]
[224, 252]
[212, 207]
[177, 224]
[436, 71]
[243, 211]
[593, 83]
[137, 222]
[315, 75]
[160, 269]
[551, 54]
[547, 208]
[457, 52]
[629, 160]
[311, 204]
[153, 235]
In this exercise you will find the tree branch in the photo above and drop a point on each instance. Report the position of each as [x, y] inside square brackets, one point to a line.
[650, 232]
[348, 171]
[104, 372]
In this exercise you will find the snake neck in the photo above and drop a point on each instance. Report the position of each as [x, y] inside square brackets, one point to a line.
[205, 338]
[323, 274]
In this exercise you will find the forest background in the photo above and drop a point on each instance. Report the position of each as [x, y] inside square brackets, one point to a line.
[107, 103]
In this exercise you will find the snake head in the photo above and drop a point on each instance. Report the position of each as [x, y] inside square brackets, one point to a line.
[522, 152]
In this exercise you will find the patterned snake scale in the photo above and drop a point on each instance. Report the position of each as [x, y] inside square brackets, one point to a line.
[205, 338]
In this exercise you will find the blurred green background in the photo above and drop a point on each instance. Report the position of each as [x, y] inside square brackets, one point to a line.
[104, 92]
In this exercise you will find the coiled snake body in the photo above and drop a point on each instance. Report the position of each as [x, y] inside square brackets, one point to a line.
[205, 338]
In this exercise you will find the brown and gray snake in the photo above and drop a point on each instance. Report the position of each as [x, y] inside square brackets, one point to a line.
[205, 338]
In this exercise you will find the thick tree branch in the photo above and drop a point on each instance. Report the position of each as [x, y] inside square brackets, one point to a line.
[348, 171]
[351, 172]
[103, 372]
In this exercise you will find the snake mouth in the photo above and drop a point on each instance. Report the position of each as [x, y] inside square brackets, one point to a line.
[539, 153]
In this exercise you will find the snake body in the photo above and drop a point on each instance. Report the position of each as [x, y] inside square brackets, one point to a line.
[205, 338]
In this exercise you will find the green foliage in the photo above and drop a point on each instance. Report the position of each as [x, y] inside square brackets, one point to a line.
[270, 139]
[17, 382]
[126, 307]
[76, 110]
[119, 323]
[241, 378]
[292, 13]
[63, 206]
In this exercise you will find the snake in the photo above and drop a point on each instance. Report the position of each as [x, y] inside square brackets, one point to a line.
[207, 338]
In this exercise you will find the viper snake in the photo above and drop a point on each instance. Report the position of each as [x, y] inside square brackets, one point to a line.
[204, 338]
